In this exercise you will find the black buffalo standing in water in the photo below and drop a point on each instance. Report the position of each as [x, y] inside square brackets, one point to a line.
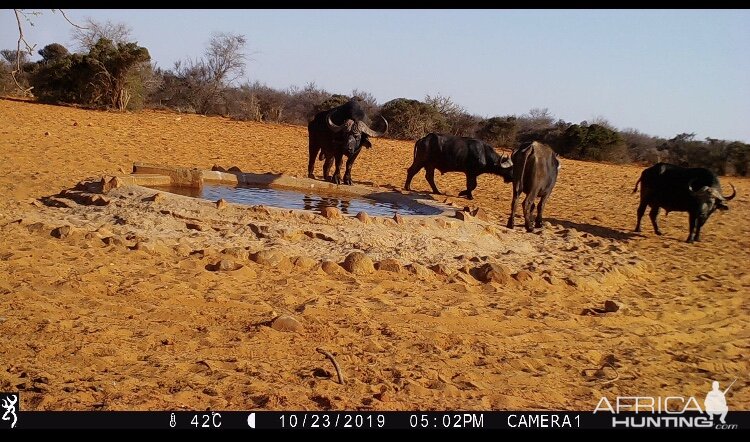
[337, 132]
[695, 190]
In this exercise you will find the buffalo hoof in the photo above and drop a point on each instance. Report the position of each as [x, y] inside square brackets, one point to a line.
[311, 175]
[511, 223]
[538, 225]
[637, 230]
[658, 232]
[348, 181]
[335, 180]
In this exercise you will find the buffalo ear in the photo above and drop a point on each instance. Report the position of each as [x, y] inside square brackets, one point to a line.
[721, 206]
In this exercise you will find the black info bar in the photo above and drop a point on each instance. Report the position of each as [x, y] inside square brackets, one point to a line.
[367, 420]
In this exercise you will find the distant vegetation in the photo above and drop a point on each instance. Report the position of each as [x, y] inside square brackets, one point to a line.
[112, 72]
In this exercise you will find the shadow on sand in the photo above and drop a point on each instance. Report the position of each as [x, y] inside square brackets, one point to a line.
[600, 231]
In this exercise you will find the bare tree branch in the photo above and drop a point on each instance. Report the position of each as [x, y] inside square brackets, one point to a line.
[29, 48]
[68, 20]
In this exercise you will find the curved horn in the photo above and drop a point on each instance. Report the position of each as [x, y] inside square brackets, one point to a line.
[734, 193]
[332, 126]
[690, 185]
[366, 129]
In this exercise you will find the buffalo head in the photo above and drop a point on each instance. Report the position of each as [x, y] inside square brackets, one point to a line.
[353, 134]
[504, 167]
[710, 199]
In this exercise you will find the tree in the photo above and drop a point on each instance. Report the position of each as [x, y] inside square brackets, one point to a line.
[411, 119]
[202, 84]
[87, 36]
[499, 131]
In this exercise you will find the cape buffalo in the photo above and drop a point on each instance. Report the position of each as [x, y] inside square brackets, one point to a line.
[535, 167]
[449, 153]
[694, 190]
[337, 132]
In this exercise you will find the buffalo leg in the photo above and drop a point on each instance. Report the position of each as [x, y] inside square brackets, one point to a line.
[410, 172]
[693, 227]
[327, 168]
[653, 213]
[641, 212]
[513, 204]
[471, 184]
[430, 175]
[348, 171]
[699, 223]
[311, 161]
[539, 210]
[527, 203]
[337, 171]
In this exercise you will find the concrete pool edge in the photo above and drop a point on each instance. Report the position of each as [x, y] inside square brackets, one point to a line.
[159, 175]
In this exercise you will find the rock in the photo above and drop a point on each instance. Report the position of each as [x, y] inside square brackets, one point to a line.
[572, 281]
[183, 249]
[224, 265]
[364, 217]
[144, 246]
[441, 222]
[113, 240]
[46, 134]
[75, 123]
[419, 270]
[479, 213]
[236, 252]
[440, 269]
[330, 267]
[60, 232]
[191, 225]
[269, 257]
[389, 265]
[523, 276]
[331, 213]
[492, 273]
[99, 200]
[114, 183]
[218, 168]
[358, 263]
[398, 218]
[463, 216]
[610, 306]
[287, 324]
[221, 204]
[304, 262]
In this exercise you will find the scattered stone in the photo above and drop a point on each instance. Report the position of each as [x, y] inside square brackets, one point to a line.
[113, 183]
[440, 269]
[318, 235]
[46, 134]
[113, 240]
[419, 270]
[144, 246]
[218, 168]
[572, 281]
[270, 258]
[193, 226]
[286, 324]
[364, 217]
[330, 267]
[304, 262]
[523, 276]
[398, 218]
[389, 265]
[75, 123]
[60, 232]
[157, 197]
[358, 263]
[610, 306]
[99, 200]
[463, 216]
[224, 265]
[441, 222]
[221, 204]
[492, 273]
[331, 213]
[36, 227]
[479, 213]
[236, 252]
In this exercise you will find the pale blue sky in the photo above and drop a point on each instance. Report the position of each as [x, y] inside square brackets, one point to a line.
[662, 72]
